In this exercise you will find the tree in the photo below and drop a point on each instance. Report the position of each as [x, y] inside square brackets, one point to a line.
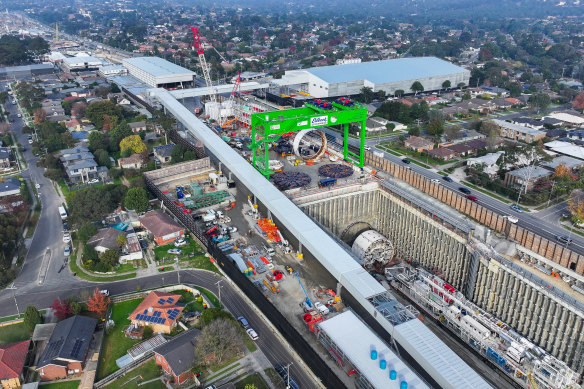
[97, 141]
[89, 253]
[539, 101]
[514, 89]
[76, 307]
[102, 92]
[446, 84]
[102, 158]
[40, 115]
[86, 231]
[562, 171]
[98, 302]
[147, 334]
[121, 240]
[366, 96]
[78, 109]
[136, 199]
[578, 102]
[453, 132]
[417, 87]
[133, 143]
[90, 204]
[110, 258]
[414, 131]
[435, 127]
[115, 88]
[218, 342]
[576, 207]
[62, 309]
[487, 127]
[116, 135]
[97, 112]
[399, 92]
[32, 317]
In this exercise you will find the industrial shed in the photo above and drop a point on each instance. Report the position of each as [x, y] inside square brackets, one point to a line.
[158, 72]
[388, 75]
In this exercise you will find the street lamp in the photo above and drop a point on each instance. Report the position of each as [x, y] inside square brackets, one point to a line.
[13, 287]
[288, 375]
[218, 283]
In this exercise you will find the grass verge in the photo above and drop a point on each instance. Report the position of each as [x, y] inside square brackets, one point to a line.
[200, 262]
[485, 191]
[131, 379]
[82, 273]
[62, 385]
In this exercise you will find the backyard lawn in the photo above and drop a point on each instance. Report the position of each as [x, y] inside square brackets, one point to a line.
[115, 343]
[13, 333]
[148, 371]
[62, 385]
[192, 249]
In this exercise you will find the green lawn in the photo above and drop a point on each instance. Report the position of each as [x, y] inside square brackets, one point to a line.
[254, 379]
[14, 333]
[115, 343]
[62, 385]
[192, 249]
[485, 191]
[210, 297]
[148, 371]
[82, 273]
[199, 262]
[192, 305]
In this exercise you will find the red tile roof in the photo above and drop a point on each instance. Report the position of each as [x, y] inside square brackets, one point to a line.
[12, 357]
[153, 303]
[159, 223]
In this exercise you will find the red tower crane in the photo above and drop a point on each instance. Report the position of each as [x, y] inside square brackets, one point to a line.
[202, 61]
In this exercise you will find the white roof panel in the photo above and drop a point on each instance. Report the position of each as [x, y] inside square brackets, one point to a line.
[436, 358]
[225, 88]
[343, 329]
[157, 67]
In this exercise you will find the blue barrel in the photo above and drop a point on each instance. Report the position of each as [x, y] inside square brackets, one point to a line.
[373, 354]
[403, 385]
[392, 375]
[383, 364]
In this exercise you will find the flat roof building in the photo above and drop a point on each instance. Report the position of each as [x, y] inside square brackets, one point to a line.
[80, 63]
[352, 344]
[388, 75]
[158, 72]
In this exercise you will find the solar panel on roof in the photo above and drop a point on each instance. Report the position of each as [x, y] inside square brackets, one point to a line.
[156, 314]
[161, 320]
[138, 317]
[161, 301]
[170, 300]
[169, 311]
[145, 312]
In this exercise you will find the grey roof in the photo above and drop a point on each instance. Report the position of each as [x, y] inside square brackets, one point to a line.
[570, 162]
[75, 150]
[82, 164]
[391, 70]
[531, 172]
[179, 352]
[517, 127]
[70, 341]
[164, 150]
[106, 237]
[156, 66]
[77, 156]
[43, 331]
[447, 368]
[141, 348]
[5, 153]
[81, 60]
[9, 185]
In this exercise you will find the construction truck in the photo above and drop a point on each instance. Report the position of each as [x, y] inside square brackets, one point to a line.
[285, 244]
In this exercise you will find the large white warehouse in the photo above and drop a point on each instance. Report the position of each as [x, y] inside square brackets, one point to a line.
[158, 72]
[388, 75]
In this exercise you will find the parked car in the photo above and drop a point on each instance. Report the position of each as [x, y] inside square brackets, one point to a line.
[187, 210]
[181, 242]
[67, 251]
[435, 180]
[472, 198]
[564, 239]
[512, 219]
[174, 251]
[281, 371]
[65, 226]
[464, 190]
[231, 229]
[447, 179]
[252, 334]
[105, 292]
[66, 237]
[19, 115]
[368, 148]
[243, 321]
[321, 308]
[516, 208]
[406, 161]
[94, 181]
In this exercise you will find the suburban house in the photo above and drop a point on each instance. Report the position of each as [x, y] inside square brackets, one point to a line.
[376, 124]
[106, 239]
[10, 187]
[134, 161]
[177, 356]
[6, 157]
[159, 310]
[518, 132]
[73, 125]
[569, 162]
[565, 148]
[489, 162]
[80, 166]
[418, 144]
[12, 360]
[138, 126]
[443, 153]
[163, 153]
[524, 178]
[163, 229]
[65, 353]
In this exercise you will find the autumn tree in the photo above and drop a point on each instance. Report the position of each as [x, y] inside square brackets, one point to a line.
[561, 171]
[78, 109]
[133, 143]
[576, 207]
[98, 302]
[62, 309]
[40, 115]
[578, 102]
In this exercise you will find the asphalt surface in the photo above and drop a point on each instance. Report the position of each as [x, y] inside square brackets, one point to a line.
[526, 220]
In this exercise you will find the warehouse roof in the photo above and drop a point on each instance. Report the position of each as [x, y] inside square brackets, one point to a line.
[83, 60]
[157, 67]
[344, 328]
[390, 70]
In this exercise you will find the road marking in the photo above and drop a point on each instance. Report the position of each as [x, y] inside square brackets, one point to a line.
[44, 267]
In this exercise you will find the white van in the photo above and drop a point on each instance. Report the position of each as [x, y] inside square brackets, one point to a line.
[62, 213]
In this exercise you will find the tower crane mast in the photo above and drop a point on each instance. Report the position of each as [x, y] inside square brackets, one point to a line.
[202, 61]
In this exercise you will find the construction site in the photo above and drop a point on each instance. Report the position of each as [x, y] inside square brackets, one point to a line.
[321, 230]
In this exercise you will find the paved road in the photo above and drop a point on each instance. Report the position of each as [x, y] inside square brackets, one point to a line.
[44, 262]
[526, 220]
[268, 342]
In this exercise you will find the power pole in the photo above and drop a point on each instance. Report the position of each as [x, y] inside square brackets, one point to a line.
[218, 283]
[13, 287]
[288, 376]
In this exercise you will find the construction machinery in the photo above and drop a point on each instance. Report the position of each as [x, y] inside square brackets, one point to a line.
[307, 301]
[254, 209]
[202, 61]
[285, 244]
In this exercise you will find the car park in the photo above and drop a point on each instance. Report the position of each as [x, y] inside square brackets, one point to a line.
[464, 190]
[472, 198]
[243, 321]
[564, 239]
[406, 161]
[252, 334]
[447, 179]
[516, 208]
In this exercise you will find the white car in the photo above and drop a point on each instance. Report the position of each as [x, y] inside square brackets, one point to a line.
[174, 251]
[66, 237]
[252, 334]
[19, 115]
[105, 292]
[181, 242]
[512, 219]
[38, 186]
[67, 251]
[435, 180]
[94, 181]
[368, 148]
